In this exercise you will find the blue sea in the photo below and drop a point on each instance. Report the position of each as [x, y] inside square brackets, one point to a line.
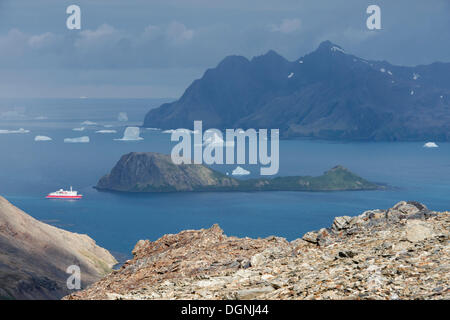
[30, 170]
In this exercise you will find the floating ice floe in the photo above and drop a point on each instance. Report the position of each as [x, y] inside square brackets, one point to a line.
[42, 138]
[239, 171]
[178, 130]
[122, 116]
[383, 70]
[108, 125]
[442, 97]
[78, 129]
[88, 123]
[416, 76]
[131, 134]
[412, 92]
[21, 130]
[290, 75]
[84, 139]
[389, 73]
[41, 118]
[301, 61]
[154, 129]
[430, 145]
[106, 131]
[13, 115]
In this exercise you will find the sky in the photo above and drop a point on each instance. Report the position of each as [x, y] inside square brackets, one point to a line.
[155, 49]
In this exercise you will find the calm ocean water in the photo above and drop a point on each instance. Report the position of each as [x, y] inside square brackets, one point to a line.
[29, 170]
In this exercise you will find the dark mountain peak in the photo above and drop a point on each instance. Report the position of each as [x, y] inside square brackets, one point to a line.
[233, 61]
[270, 57]
[326, 94]
[327, 48]
[328, 45]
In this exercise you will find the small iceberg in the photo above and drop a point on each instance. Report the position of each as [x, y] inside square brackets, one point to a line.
[122, 117]
[177, 130]
[106, 131]
[154, 129]
[84, 139]
[88, 123]
[108, 126]
[290, 75]
[216, 141]
[131, 134]
[430, 145]
[42, 138]
[239, 171]
[78, 129]
[21, 130]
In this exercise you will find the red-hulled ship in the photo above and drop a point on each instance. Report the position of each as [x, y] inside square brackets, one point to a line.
[64, 194]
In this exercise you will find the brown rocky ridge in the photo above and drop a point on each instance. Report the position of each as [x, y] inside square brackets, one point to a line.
[399, 253]
[34, 257]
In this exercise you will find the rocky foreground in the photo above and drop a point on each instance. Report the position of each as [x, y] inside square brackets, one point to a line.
[34, 257]
[400, 253]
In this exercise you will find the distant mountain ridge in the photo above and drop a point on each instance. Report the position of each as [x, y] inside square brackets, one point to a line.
[327, 94]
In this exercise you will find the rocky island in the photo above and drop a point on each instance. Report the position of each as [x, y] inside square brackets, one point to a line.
[399, 253]
[34, 257]
[155, 172]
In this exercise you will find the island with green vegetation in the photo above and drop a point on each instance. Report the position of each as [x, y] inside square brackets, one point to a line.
[155, 172]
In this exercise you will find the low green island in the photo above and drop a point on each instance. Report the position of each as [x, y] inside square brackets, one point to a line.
[155, 172]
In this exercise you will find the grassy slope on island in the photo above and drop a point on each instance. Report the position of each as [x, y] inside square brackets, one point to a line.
[154, 172]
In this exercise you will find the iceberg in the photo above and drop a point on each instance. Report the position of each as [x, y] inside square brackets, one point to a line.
[21, 130]
[42, 138]
[290, 75]
[78, 129]
[430, 145]
[88, 123]
[176, 130]
[216, 141]
[122, 116]
[106, 131]
[131, 134]
[84, 139]
[239, 171]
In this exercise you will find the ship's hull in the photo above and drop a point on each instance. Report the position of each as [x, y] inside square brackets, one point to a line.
[65, 197]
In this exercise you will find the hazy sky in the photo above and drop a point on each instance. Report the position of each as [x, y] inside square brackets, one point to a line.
[152, 48]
